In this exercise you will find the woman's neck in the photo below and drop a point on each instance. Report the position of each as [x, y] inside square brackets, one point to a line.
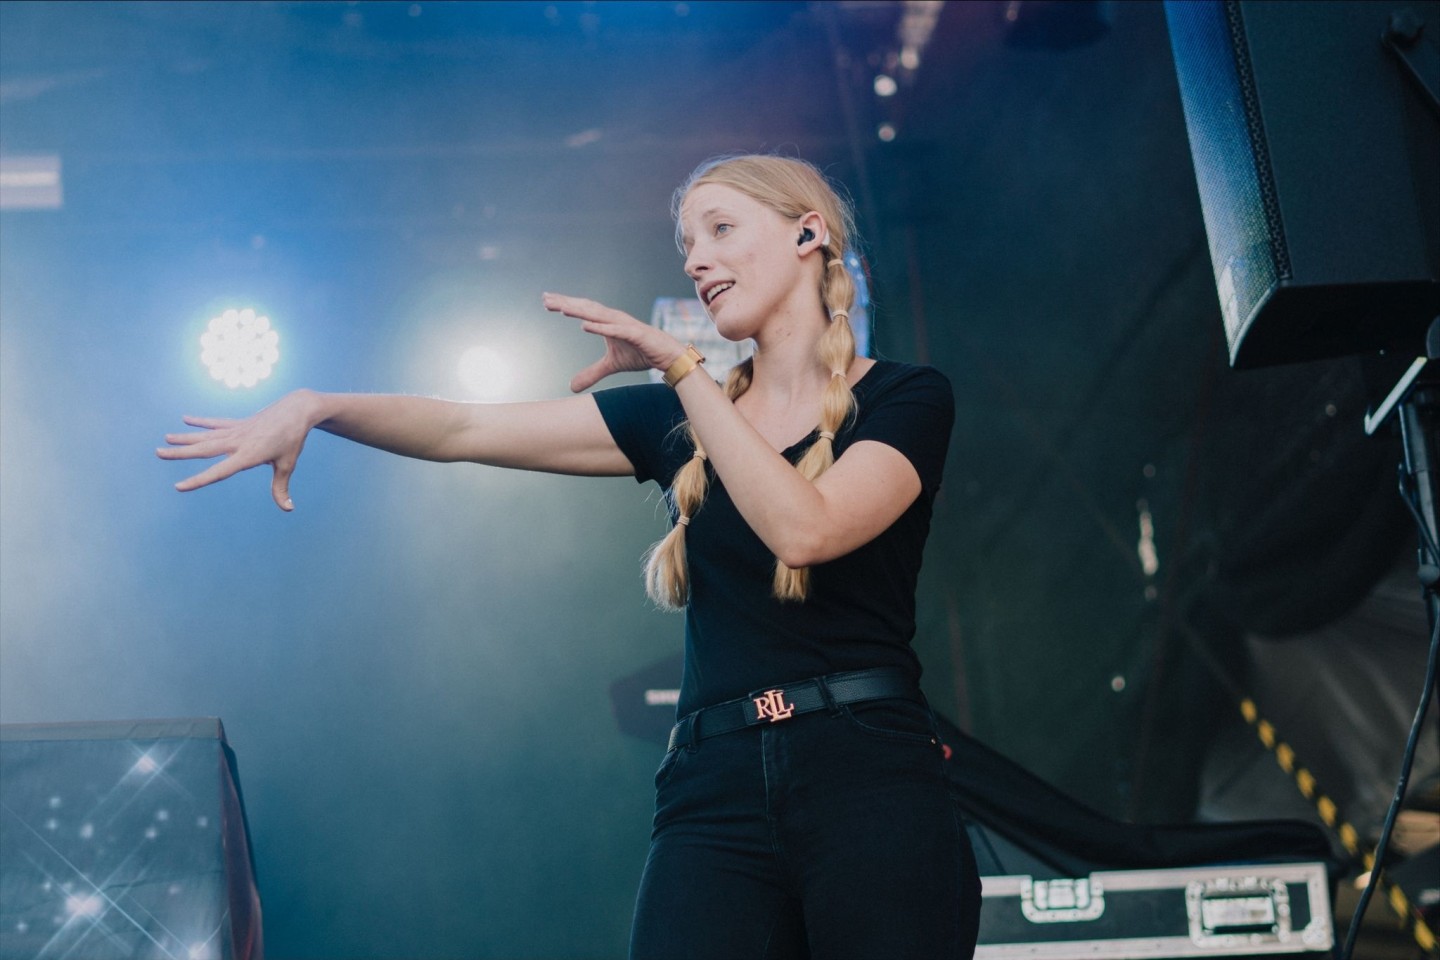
[787, 366]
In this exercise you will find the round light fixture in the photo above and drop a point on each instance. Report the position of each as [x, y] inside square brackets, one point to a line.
[239, 348]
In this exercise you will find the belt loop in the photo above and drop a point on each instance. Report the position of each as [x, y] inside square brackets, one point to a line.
[830, 704]
[694, 731]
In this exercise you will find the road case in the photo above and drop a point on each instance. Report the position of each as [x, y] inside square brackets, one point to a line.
[1256, 910]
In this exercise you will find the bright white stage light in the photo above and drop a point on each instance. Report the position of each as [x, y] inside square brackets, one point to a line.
[885, 85]
[239, 348]
[484, 373]
[84, 906]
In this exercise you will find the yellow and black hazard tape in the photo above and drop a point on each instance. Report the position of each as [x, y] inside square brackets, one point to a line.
[1285, 756]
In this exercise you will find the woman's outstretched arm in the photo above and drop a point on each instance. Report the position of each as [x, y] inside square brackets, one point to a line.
[557, 436]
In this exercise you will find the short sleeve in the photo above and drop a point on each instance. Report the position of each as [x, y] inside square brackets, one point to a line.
[914, 414]
[643, 420]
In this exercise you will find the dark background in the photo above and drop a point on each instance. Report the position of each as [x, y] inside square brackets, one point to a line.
[414, 667]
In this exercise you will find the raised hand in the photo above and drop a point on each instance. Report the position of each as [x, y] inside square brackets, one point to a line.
[629, 344]
[274, 436]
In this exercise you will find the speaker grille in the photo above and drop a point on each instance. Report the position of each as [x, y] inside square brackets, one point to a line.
[1259, 143]
[1232, 167]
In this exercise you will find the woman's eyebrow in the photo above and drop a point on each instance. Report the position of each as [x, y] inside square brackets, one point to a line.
[712, 212]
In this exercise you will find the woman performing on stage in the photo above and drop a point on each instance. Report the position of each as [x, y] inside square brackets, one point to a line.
[801, 809]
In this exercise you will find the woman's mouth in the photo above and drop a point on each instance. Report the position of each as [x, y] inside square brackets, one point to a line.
[714, 292]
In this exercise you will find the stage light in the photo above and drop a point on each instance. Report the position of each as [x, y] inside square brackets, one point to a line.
[584, 138]
[86, 906]
[30, 183]
[886, 132]
[1149, 558]
[484, 373]
[917, 29]
[885, 85]
[239, 348]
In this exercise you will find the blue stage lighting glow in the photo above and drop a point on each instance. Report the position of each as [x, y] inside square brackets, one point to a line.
[239, 348]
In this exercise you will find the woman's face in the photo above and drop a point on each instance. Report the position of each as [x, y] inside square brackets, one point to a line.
[742, 256]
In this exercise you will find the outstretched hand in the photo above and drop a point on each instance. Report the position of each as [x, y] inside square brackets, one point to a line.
[629, 344]
[274, 436]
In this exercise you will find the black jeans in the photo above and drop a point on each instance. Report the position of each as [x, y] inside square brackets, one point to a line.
[829, 835]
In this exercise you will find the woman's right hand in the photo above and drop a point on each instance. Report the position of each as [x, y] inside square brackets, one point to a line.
[275, 435]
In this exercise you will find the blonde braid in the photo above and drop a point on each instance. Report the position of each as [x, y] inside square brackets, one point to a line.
[837, 353]
[667, 570]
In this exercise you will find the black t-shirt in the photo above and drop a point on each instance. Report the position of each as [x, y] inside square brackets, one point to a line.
[860, 611]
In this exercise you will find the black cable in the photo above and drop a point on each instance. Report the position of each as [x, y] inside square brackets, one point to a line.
[1402, 782]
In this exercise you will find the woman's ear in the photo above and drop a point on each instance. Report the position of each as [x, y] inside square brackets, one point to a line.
[813, 234]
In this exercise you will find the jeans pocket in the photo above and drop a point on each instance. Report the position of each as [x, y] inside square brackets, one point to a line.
[667, 766]
[904, 720]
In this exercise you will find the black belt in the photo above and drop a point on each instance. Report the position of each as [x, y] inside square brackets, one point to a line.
[783, 702]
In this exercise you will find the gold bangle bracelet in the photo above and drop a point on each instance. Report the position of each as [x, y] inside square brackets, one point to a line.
[683, 364]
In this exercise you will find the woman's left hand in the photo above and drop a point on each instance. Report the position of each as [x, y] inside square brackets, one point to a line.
[629, 344]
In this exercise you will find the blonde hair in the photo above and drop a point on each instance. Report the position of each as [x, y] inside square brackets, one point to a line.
[792, 188]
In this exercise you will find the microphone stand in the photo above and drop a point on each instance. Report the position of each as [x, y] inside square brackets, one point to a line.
[1415, 400]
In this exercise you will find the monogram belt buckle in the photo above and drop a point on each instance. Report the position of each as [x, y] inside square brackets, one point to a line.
[771, 706]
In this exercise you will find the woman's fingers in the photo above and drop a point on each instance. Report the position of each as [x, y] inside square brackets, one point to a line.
[188, 439]
[607, 319]
[201, 449]
[280, 488]
[577, 307]
[209, 423]
[629, 344]
[274, 436]
[200, 445]
[189, 442]
[592, 374]
[217, 472]
[231, 465]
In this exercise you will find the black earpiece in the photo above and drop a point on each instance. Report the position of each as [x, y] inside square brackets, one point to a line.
[806, 236]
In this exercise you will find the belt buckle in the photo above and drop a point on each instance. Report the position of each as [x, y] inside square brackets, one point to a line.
[771, 706]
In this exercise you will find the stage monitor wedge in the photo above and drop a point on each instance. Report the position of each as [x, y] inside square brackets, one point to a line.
[1318, 165]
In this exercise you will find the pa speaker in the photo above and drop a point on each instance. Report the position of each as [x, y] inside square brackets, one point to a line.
[122, 840]
[1318, 164]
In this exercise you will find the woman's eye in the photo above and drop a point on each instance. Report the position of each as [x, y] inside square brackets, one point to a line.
[721, 228]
